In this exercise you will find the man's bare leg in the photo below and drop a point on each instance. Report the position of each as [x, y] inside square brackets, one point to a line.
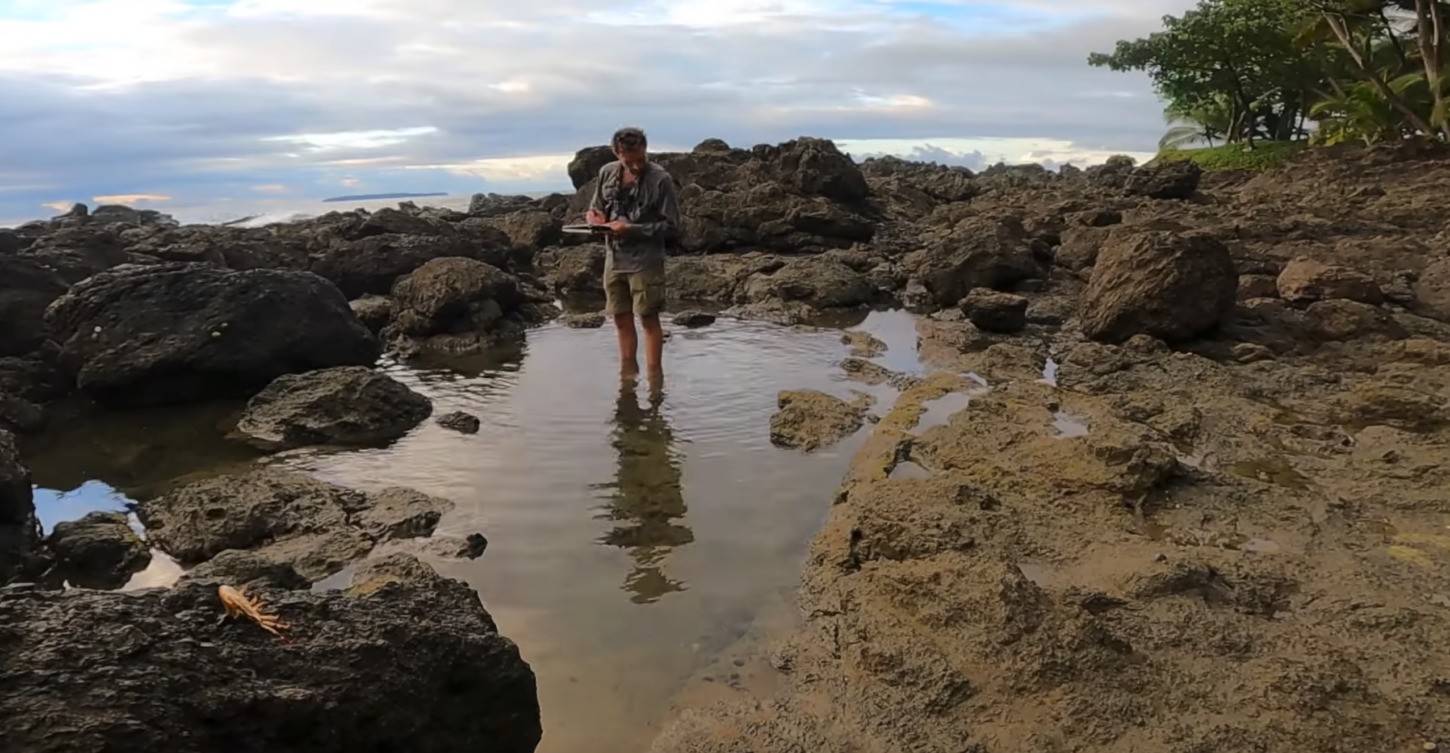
[654, 344]
[628, 344]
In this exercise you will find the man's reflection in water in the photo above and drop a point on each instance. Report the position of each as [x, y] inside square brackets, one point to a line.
[646, 496]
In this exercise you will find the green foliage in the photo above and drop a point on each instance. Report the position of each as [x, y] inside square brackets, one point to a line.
[1250, 70]
[1263, 155]
[1236, 59]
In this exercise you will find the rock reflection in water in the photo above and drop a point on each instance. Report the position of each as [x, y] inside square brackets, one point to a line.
[646, 496]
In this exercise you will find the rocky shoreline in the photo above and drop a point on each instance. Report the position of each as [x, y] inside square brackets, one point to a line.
[1239, 545]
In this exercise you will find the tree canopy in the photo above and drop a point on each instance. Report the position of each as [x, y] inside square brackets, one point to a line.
[1241, 70]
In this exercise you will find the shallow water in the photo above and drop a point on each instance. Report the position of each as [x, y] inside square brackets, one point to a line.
[632, 539]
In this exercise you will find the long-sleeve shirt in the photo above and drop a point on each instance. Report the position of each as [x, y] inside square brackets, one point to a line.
[651, 206]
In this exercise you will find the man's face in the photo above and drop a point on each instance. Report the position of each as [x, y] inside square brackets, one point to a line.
[633, 157]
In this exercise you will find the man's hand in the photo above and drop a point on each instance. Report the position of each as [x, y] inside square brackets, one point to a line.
[595, 217]
[619, 227]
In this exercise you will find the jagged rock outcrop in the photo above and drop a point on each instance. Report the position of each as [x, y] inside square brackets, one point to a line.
[157, 671]
[345, 405]
[173, 332]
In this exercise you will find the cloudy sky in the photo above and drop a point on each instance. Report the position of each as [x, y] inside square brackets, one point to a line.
[230, 105]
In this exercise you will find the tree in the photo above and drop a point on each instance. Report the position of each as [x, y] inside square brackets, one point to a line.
[1205, 123]
[1365, 28]
[1361, 70]
[1238, 53]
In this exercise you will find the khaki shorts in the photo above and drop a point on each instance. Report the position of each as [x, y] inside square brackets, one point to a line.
[640, 293]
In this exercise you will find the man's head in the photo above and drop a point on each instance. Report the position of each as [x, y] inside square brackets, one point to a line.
[629, 146]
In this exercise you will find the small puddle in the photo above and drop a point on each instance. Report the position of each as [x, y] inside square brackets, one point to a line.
[1275, 471]
[163, 571]
[1040, 573]
[896, 329]
[1196, 537]
[56, 506]
[338, 581]
[1049, 372]
[939, 411]
[1068, 426]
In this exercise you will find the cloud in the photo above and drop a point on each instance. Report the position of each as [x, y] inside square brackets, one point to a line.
[203, 99]
[131, 199]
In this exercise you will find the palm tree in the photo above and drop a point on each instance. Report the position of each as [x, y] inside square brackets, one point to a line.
[1192, 125]
[1364, 29]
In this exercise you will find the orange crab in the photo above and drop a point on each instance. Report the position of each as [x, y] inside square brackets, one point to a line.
[238, 604]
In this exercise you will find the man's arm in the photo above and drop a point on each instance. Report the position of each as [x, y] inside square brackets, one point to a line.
[667, 228]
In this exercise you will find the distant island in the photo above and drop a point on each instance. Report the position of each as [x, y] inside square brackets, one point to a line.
[375, 196]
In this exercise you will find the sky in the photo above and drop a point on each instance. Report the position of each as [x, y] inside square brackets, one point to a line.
[232, 106]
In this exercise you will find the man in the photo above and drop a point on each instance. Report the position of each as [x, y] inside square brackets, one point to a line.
[637, 200]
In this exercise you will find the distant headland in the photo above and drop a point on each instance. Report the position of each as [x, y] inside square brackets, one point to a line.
[374, 196]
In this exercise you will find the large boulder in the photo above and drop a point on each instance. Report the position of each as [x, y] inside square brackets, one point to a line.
[1177, 179]
[345, 405]
[575, 271]
[979, 252]
[529, 228]
[1171, 285]
[315, 527]
[98, 551]
[458, 305]
[19, 529]
[1304, 280]
[821, 282]
[993, 311]
[26, 289]
[414, 664]
[587, 163]
[169, 333]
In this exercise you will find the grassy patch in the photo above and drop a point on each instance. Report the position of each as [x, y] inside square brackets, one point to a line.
[1264, 155]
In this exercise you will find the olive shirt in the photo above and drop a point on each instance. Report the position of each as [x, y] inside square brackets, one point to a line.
[651, 207]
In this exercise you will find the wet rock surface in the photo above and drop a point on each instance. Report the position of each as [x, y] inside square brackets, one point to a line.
[98, 551]
[810, 420]
[995, 312]
[314, 527]
[438, 676]
[1306, 280]
[1181, 535]
[163, 333]
[463, 423]
[458, 305]
[694, 319]
[347, 405]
